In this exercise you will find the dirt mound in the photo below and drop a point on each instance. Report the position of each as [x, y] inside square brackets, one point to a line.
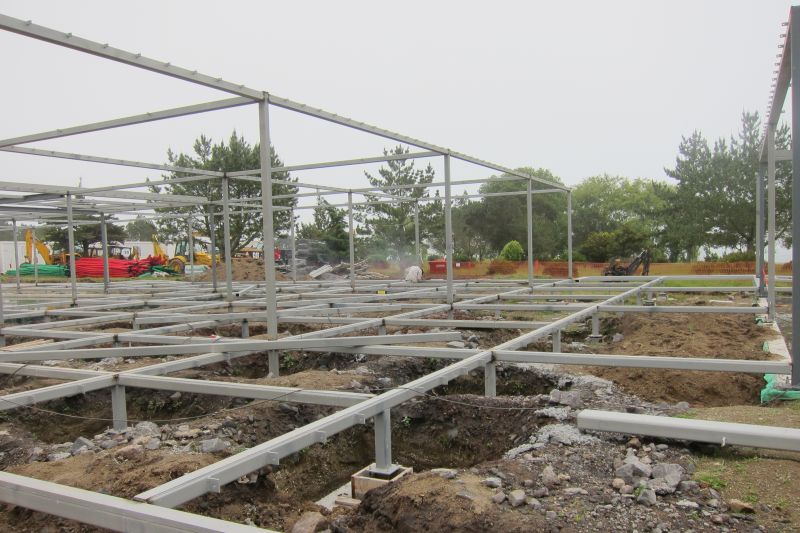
[427, 502]
[244, 269]
[686, 335]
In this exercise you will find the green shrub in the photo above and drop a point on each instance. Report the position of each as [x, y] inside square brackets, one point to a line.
[512, 251]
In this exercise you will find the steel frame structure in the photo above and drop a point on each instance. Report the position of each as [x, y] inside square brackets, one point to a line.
[164, 315]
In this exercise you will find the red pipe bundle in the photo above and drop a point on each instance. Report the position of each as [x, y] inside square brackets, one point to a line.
[92, 267]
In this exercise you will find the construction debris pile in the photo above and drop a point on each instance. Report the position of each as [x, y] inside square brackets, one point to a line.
[361, 268]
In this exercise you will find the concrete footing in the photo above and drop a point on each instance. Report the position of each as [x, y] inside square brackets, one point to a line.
[367, 479]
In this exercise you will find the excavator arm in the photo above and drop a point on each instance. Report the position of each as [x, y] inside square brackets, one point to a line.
[30, 242]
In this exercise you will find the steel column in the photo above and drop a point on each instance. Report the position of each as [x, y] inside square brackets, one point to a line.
[274, 361]
[760, 228]
[293, 244]
[529, 217]
[119, 408]
[417, 252]
[35, 255]
[73, 280]
[267, 212]
[352, 244]
[771, 219]
[104, 250]
[448, 231]
[795, 50]
[190, 240]
[212, 229]
[569, 234]
[383, 443]
[557, 341]
[16, 249]
[226, 230]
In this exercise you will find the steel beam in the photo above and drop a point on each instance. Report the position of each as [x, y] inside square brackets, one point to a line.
[722, 433]
[126, 121]
[244, 390]
[105, 51]
[108, 512]
[645, 361]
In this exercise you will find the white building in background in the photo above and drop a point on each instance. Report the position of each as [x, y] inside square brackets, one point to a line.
[7, 252]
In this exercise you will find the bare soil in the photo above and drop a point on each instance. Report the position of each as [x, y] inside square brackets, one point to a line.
[687, 335]
[243, 269]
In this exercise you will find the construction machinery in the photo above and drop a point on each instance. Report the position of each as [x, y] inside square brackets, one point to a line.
[116, 250]
[617, 268]
[48, 257]
[181, 258]
[158, 251]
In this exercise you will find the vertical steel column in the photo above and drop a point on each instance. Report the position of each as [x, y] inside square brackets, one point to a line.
[448, 231]
[190, 239]
[771, 219]
[760, 229]
[795, 48]
[16, 249]
[2, 314]
[274, 361]
[245, 329]
[569, 233]
[73, 279]
[595, 324]
[104, 250]
[383, 443]
[226, 230]
[267, 210]
[212, 229]
[557, 341]
[35, 255]
[529, 217]
[293, 244]
[417, 252]
[119, 409]
[352, 244]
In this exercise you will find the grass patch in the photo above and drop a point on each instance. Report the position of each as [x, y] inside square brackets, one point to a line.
[712, 478]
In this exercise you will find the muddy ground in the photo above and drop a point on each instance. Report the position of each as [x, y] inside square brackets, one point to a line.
[453, 427]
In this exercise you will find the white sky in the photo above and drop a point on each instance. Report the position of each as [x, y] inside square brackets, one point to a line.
[579, 87]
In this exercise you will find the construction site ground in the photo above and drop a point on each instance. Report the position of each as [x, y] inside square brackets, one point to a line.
[522, 440]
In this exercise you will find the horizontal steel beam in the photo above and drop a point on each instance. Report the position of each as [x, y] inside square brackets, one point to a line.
[53, 392]
[111, 161]
[646, 361]
[105, 51]
[108, 512]
[127, 121]
[244, 390]
[225, 347]
[722, 433]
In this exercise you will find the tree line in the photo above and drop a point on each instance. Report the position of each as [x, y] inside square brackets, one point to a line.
[708, 207]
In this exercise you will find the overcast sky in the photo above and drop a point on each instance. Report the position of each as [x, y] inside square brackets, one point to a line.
[579, 88]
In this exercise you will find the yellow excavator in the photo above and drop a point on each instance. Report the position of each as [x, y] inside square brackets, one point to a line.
[61, 258]
[44, 251]
[181, 258]
[158, 251]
